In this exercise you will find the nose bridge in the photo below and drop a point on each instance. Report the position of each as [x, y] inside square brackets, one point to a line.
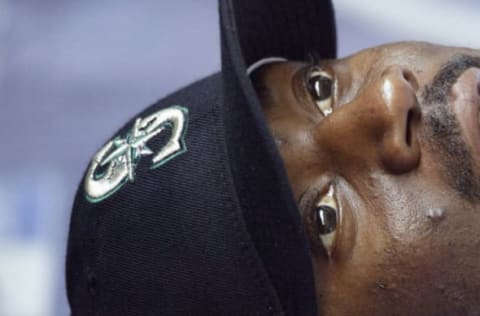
[378, 127]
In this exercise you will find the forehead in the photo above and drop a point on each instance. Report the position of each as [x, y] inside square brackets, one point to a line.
[423, 59]
[417, 56]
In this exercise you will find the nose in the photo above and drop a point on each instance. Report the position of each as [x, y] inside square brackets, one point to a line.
[379, 126]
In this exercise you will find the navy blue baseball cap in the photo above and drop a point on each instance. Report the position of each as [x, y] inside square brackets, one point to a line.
[187, 210]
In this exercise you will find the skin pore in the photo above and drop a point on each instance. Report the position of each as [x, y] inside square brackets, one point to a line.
[382, 151]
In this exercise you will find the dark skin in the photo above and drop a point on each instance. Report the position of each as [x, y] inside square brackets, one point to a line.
[387, 182]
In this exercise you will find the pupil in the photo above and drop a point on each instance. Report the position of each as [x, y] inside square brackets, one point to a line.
[320, 87]
[326, 218]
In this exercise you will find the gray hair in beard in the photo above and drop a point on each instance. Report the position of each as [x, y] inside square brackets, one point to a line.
[444, 129]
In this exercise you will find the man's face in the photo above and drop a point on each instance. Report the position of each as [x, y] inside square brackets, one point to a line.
[382, 151]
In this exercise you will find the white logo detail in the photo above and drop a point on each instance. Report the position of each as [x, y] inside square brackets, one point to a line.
[115, 163]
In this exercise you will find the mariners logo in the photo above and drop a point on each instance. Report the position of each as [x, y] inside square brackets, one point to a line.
[115, 163]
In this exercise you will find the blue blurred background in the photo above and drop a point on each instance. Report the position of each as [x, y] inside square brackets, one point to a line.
[71, 72]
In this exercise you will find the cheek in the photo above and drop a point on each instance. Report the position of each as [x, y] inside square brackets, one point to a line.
[403, 279]
[354, 287]
[418, 256]
[431, 277]
[430, 263]
[348, 282]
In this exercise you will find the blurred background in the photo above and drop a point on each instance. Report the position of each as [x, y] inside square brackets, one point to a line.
[71, 72]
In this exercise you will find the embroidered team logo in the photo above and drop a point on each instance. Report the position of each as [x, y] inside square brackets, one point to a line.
[115, 163]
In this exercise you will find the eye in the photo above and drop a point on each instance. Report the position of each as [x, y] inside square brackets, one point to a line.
[319, 85]
[324, 221]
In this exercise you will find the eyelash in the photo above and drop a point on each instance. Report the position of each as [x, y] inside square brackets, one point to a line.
[312, 74]
[308, 199]
[308, 203]
[313, 59]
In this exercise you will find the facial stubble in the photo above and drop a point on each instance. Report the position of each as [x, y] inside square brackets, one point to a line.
[443, 129]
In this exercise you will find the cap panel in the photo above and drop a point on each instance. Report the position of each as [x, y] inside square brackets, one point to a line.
[283, 28]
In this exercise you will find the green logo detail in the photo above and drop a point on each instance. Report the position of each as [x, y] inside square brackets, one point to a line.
[116, 162]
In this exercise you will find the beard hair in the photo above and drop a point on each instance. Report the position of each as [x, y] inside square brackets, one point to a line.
[445, 132]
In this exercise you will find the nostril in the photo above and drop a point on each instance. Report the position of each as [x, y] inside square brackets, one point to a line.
[410, 78]
[413, 115]
[400, 150]
[408, 135]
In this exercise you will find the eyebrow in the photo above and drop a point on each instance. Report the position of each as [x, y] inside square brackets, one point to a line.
[436, 92]
[264, 94]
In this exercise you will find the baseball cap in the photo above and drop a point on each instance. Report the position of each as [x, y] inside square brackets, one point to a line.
[187, 209]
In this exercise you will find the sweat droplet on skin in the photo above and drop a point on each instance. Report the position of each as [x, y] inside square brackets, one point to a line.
[436, 213]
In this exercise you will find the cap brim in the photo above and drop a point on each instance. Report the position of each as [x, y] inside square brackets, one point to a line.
[253, 30]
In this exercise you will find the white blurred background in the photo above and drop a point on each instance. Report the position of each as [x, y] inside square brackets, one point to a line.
[71, 72]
